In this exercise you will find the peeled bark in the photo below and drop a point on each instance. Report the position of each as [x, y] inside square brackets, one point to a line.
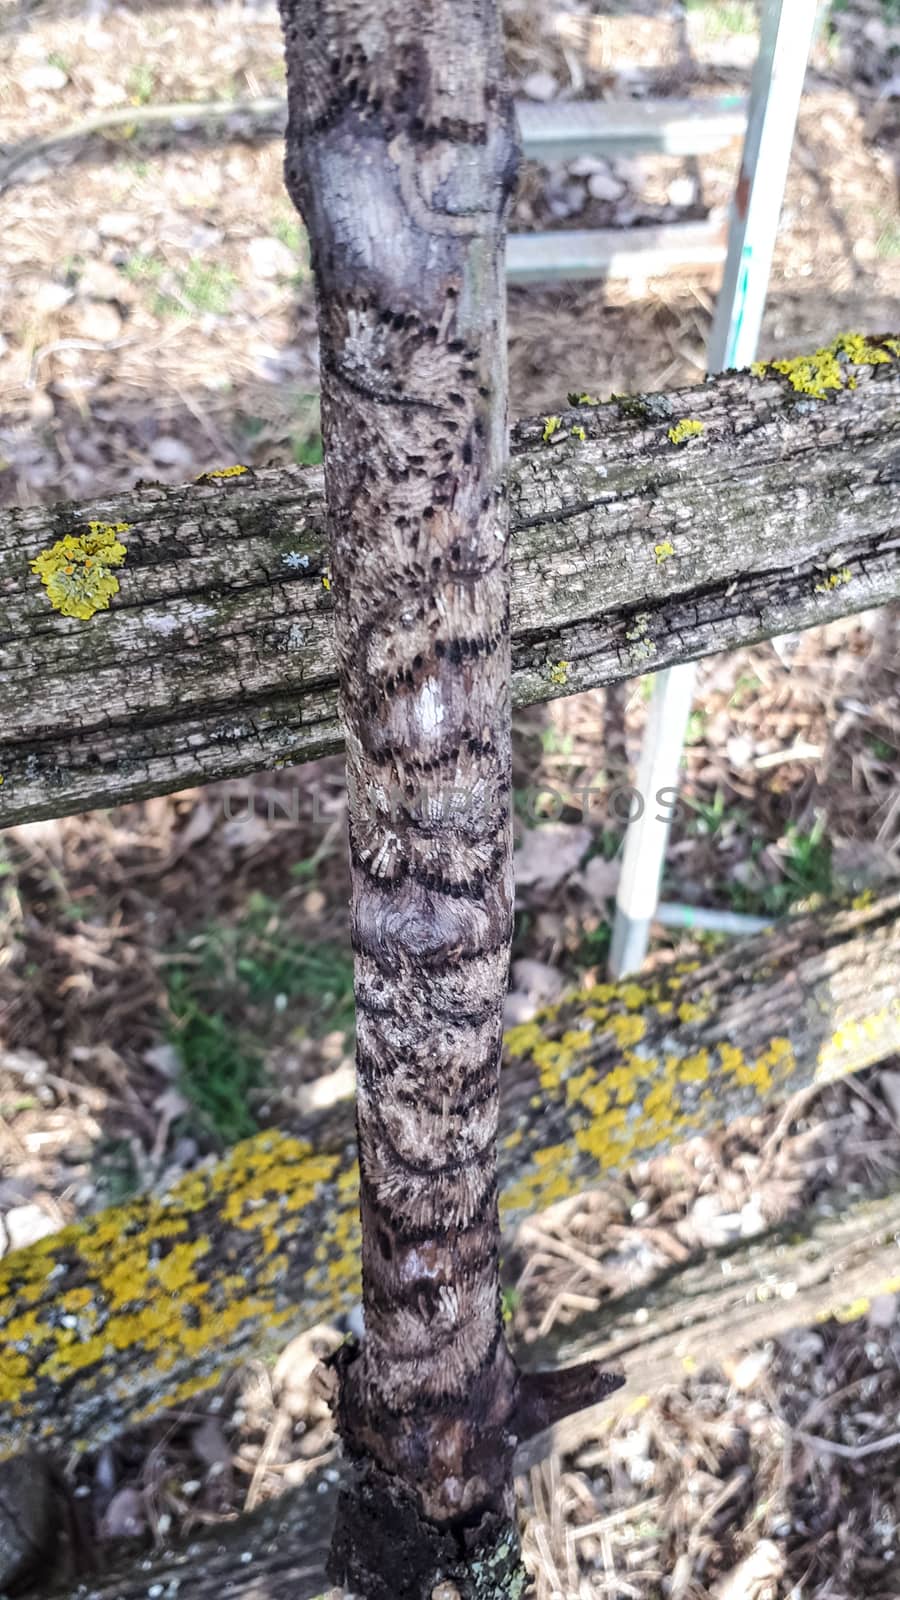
[401, 156]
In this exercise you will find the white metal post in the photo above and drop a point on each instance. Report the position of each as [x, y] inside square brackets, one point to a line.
[785, 39]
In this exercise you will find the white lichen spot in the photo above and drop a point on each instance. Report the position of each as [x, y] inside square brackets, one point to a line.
[295, 636]
[430, 708]
[294, 560]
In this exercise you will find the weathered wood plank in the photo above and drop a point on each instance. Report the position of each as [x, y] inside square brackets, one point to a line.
[710, 1311]
[630, 552]
[139, 1307]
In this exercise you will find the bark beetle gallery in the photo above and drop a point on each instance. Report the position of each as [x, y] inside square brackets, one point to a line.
[401, 155]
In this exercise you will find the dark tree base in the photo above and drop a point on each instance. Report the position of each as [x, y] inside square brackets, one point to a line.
[383, 1549]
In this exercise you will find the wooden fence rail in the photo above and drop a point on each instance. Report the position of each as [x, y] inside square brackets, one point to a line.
[645, 543]
[140, 1307]
[707, 1311]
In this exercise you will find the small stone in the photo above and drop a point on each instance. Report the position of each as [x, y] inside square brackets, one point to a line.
[518, 1008]
[446, 1591]
[537, 980]
[163, 1058]
[739, 750]
[102, 281]
[603, 186]
[540, 86]
[601, 879]
[26, 1224]
[50, 297]
[883, 1311]
[43, 77]
[566, 201]
[586, 166]
[889, 1084]
[40, 406]
[125, 1516]
[119, 225]
[169, 452]
[749, 1369]
[549, 853]
[683, 191]
[105, 93]
[15, 1191]
[269, 258]
[98, 321]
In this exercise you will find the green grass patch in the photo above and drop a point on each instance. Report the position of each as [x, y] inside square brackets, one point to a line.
[208, 286]
[140, 84]
[228, 995]
[887, 245]
[115, 1171]
[807, 876]
[307, 449]
[719, 18]
[203, 286]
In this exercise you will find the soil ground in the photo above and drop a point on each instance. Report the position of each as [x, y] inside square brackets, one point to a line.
[172, 971]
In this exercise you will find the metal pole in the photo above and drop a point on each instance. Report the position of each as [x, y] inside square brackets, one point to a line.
[785, 39]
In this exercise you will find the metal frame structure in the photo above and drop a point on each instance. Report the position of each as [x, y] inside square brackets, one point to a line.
[787, 32]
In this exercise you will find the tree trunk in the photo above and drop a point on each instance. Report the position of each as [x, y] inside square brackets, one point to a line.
[401, 156]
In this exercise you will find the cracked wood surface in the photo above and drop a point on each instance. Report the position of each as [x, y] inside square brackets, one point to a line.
[710, 1310]
[216, 657]
[138, 1308]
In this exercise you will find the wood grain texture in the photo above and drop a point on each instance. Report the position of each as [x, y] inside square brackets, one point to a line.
[138, 1308]
[217, 656]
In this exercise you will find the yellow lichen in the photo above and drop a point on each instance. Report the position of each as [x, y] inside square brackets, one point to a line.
[521, 1040]
[552, 425]
[75, 571]
[663, 551]
[834, 580]
[690, 1011]
[828, 370]
[688, 428]
[559, 672]
[579, 432]
[326, 582]
[221, 472]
